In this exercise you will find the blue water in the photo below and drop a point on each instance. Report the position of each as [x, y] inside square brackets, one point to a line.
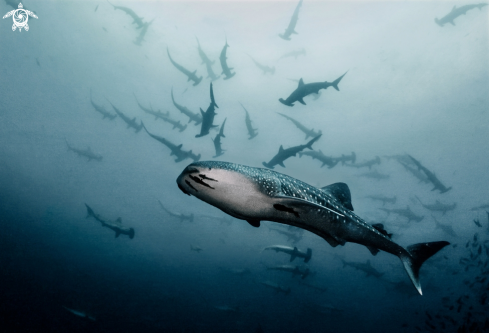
[412, 87]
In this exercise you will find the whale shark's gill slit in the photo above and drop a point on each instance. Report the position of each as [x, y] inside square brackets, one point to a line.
[200, 181]
[207, 178]
[283, 208]
[188, 183]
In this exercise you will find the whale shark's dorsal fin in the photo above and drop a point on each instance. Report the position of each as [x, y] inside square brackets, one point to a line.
[301, 83]
[341, 192]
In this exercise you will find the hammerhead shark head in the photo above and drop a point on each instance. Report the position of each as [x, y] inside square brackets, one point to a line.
[318, 155]
[264, 68]
[308, 132]
[306, 89]
[251, 131]
[208, 63]
[195, 117]
[100, 109]
[137, 20]
[130, 122]
[208, 116]
[438, 206]
[156, 114]
[217, 141]
[180, 216]
[225, 68]
[175, 150]
[276, 287]
[284, 154]
[431, 177]
[292, 251]
[256, 194]
[85, 152]
[456, 12]
[191, 75]
[295, 270]
[293, 21]
[115, 226]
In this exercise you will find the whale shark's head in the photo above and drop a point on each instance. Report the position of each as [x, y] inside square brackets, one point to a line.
[238, 190]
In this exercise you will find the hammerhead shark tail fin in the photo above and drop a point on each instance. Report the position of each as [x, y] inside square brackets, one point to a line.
[308, 255]
[416, 255]
[335, 82]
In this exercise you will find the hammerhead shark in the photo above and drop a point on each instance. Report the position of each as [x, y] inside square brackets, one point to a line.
[208, 63]
[264, 68]
[407, 213]
[226, 70]
[438, 206]
[365, 267]
[180, 216]
[456, 12]
[256, 194]
[308, 132]
[142, 33]
[191, 75]
[208, 116]
[383, 198]
[294, 54]
[175, 123]
[251, 131]
[318, 155]
[175, 150]
[295, 270]
[292, 251]
[367, 164]
[431, 177]
[195, 117]
[137, 20]
[156, 114]
[284, 154]
[345, 158]
[217, 141]
[374, 175]
[310, 88]
[100, 109]
[130, 122]
[276, 287]
[113, 225]
[85, 152]
[293, 21]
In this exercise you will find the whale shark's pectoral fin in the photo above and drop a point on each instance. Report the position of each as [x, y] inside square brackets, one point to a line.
[254, 223]
[300, 100]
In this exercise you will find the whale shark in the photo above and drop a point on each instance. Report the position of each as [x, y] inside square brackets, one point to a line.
[113, 225]
[191, 75]
[293, 22]
[284, 154]
[304, 90]
[226, 70]
[252, 132]
[292, 251]
[208, 116]
[256, 194]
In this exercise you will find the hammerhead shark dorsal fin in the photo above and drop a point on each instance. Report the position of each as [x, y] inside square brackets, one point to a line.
[281, 149]
[119, 220]
[301, 83]
[340, 191]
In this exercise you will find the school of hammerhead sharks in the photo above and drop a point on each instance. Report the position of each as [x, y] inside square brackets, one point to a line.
[263, 194]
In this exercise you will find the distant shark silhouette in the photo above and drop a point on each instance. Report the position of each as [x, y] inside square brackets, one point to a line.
[318, 155]
[431, 177]
[251, 131]
[217, 141]
[438, 206]
[130, 122]
[156, 114]
[306, 89]
[293, 21]
[190, 75]
[136, 19]
[208, 63]
[294, 54]
[115, 226]
[180, 216]
[276, 287]
[292, 251]
[308, 132]
[195, 117]
[264, 68]
[143, 32]
[100, 109]
[407, 213]
[226, 70]
[284, 154]
[85, 153]
[456, 12]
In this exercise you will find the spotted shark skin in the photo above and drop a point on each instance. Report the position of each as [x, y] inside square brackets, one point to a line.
[256, 194]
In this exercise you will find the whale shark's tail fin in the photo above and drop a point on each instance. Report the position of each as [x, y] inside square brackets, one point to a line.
[416, 255]
[335, 82]
[308, 255]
